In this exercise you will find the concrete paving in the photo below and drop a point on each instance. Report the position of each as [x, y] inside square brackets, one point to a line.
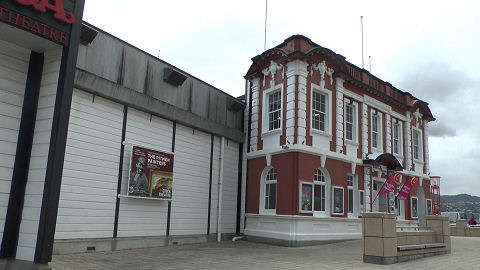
[246, 255]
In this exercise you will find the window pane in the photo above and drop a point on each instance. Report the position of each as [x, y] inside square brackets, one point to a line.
[349, 134]
[317, 199]
[396, 138]
[350, 200]
[274, 110]
[273, 196]
[416, 144]
[375, 131]
[319, 111]
[267, 193]
[322, 121]
[350, 180]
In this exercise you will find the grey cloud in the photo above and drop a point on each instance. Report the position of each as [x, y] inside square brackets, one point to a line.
[440, 129]
[435, 81]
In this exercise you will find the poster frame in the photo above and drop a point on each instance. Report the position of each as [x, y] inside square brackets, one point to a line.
[342, 200]
[301, 198]
[130, 146]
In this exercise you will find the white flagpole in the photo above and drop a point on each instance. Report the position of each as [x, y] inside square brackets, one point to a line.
[361, 22]
[265, 43]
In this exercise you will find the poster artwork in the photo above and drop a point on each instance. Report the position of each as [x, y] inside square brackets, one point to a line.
[307, 197]
[151, 173]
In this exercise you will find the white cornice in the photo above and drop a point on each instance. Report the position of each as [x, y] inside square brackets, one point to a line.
[303, 149]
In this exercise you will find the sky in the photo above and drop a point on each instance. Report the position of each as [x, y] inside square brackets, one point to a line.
[426, 48]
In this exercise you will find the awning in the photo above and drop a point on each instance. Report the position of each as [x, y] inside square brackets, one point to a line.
[385, 159]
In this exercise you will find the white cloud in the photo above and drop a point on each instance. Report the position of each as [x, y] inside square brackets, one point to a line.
[428, 48]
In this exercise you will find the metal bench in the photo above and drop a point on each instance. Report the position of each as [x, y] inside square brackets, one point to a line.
[421, 246]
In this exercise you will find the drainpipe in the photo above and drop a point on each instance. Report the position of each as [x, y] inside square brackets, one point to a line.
[220, 190]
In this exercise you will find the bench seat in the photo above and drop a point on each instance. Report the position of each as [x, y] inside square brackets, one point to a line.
[421, 246]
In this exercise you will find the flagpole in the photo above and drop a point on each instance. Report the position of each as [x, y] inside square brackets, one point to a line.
[265, 40]
[361, 22]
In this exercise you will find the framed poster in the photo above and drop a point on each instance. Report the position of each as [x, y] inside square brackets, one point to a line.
[429, 207]
[151, 174]
[306, 197]
[413, 207]
[337, 201]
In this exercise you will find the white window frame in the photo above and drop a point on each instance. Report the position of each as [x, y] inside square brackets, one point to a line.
[300, 201]
[351, 188]
[354, 106]
[379, 146]
[334, 188]
[419, 156]
[411, 207]
[426, 207]
[265, 112]
[361, 202]
[399, 139]
[326, 185]
[263, 189]
[328, 109]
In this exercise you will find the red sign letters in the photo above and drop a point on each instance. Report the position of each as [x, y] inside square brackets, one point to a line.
[43, 5]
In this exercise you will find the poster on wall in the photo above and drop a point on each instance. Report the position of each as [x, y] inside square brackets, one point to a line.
[151, 174]
[307, 197]
[337, 201]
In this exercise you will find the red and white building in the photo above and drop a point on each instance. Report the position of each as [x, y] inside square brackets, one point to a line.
[323, 136]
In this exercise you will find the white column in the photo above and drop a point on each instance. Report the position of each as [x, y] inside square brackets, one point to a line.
[367, 189]
[295, 68]
[364, 130]
[339, 131]
[425, 141]
[255, 110]
[388, 133]
[302, 109]
[408, 140]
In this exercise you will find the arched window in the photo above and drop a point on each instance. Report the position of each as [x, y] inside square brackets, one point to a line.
[270, 190]
[321, 192]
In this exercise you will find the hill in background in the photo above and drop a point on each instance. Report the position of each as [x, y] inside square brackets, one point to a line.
[460, 203]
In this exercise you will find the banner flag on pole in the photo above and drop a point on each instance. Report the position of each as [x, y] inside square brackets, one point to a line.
[407, 187]
[390, 184]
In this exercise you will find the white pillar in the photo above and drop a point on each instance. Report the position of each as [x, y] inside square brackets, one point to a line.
[339, 122]
[408, 140]
[364, 130]
[388, 133]
[255, 110]
[295, 68]
[425, 141]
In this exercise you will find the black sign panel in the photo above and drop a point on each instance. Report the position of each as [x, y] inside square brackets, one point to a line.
[50, 19]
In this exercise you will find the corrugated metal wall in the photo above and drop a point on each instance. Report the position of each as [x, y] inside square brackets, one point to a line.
[89, 185]
[27, 239]
[14, 62]
[90, 172]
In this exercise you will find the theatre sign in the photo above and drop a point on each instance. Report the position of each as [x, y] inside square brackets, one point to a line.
[50, 19]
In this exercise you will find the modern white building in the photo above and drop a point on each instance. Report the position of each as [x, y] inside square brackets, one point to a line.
[66, 163]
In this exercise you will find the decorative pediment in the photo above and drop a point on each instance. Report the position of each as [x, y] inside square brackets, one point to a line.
[272, 69]
[323, 69]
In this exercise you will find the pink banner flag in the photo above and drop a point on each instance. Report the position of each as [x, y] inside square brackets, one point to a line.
[390, 184]
[407, 187]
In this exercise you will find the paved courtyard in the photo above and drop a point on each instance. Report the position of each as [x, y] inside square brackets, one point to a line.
[245, 255]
